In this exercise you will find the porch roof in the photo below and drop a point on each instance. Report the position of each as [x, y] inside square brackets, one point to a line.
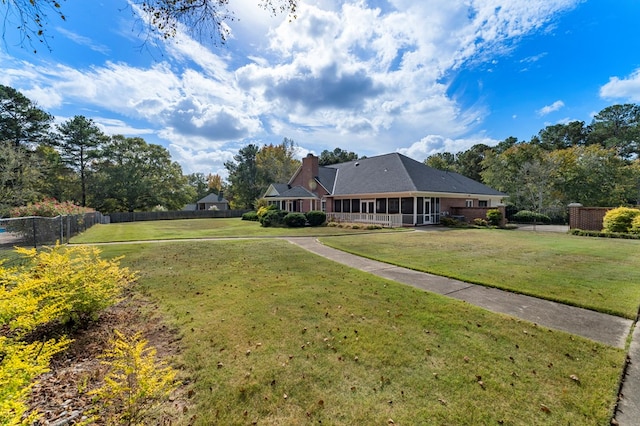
[295, 192]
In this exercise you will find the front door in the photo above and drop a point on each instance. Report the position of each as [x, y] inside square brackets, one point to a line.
[427, 211]
[367, 207]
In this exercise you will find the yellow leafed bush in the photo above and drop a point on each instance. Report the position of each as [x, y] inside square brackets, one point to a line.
[59, 283]
[134, 383]
[54, 285]
[20, 364]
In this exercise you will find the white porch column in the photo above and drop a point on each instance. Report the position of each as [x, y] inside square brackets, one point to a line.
[415, 210]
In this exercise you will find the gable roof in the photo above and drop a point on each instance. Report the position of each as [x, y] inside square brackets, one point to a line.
[297, 192]
[395, 172]
[212, 198]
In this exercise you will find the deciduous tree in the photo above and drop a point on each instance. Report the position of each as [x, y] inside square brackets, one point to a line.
[338, 155]
[136, 176]
[445, 161]
[215, 183]
[198, 181]
[276, 163]
[243, 178]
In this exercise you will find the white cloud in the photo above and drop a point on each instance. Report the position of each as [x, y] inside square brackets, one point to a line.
[623, 88]
[432, 144]
[533, 59]
[548, 109]
[83, 41]
[112, 126]
[341, 74]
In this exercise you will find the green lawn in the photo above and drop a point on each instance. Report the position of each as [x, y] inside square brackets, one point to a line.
[275, 335]
[199, 228]
[595, 273]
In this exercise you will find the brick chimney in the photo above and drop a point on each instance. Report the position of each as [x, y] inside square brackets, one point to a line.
[309, 171]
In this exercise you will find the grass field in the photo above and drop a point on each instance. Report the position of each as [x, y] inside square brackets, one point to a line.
[275, 335]
[200, 228]
[595, 273]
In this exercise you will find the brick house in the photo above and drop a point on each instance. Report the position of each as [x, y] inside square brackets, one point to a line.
[390, 189]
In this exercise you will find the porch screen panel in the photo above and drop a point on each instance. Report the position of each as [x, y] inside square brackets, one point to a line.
[346, 206]
[407, 205]
[337, 206]
[420, 205]
[355, 206]
[394, 205]
[381, 205]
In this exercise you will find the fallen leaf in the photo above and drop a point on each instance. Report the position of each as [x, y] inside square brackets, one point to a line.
[545, 409]
[574, 378]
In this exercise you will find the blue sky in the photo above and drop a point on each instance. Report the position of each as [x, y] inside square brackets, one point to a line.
[373, 77]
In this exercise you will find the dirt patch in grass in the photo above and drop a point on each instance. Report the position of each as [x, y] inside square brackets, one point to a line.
[62, 395]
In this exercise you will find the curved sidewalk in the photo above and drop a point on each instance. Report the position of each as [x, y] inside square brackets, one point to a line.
[607, 329]
[603, 328]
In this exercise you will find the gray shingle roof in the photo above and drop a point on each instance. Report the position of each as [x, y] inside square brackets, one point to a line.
[212, 198]
[280, 187]
[327, 177]
[395, 172]
[296, 192]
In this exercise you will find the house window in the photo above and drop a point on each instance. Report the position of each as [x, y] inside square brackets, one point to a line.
[468, 203]
[324, 205]
[483, 203]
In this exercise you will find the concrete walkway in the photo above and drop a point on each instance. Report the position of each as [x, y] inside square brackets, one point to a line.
[603, 328]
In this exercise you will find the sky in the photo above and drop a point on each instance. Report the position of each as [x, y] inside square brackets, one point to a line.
[368, 76]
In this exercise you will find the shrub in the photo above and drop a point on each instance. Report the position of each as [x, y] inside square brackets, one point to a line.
[67, 284]
[21, 364]
[480, 222]
[49, 208]
[252, 216]
[447, 221]
[602, 234]
[619, 220]
[494, 217]
[271, 217]
[52, 286]
[316, 217]
[265, 209]
[136, 381]
[261, 202]
[295, 220]
[527, 216]
[635, 225]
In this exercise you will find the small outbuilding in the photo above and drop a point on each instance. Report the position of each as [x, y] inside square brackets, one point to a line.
[213, 202]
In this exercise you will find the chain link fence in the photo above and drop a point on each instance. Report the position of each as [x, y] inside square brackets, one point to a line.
[35, 231]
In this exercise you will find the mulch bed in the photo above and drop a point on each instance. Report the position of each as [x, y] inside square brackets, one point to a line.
[61, 396]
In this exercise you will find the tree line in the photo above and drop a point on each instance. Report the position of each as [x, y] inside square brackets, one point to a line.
[594, 164]
[75, 161]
